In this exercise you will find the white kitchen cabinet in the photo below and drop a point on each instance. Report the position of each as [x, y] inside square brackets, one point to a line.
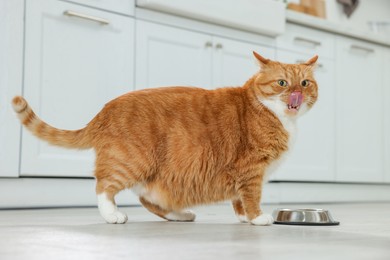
[306, 40]
[11, 75]
[312, 156]
[360, 113]
[76, 59]
[125, 7]
[233, 61]
[168, 56]
[386, 100]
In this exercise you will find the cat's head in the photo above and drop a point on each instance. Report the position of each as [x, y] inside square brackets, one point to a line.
[286, 89]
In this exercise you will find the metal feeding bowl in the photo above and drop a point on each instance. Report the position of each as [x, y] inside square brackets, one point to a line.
[310, 217]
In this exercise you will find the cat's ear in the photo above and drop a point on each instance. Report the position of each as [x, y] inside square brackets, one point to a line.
[261, 60]
[312, 61]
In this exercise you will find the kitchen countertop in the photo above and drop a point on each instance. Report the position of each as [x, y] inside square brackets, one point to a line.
[325, 25]
[185, 9]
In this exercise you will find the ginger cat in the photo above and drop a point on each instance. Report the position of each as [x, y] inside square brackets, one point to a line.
[182, 146]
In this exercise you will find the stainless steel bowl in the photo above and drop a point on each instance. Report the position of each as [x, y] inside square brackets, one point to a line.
[311, 217]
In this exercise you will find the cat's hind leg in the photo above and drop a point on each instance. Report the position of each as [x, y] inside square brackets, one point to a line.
[184, 215]
[239, 210]
[106, 191]
[109, 210]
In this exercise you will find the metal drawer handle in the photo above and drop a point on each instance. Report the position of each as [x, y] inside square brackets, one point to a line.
[208, 44]
[300, 39]
[319, 65]
[219, 46]
[361, 48]
[87, 17]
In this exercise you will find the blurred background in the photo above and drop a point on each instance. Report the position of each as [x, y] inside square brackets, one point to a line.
[68, 58]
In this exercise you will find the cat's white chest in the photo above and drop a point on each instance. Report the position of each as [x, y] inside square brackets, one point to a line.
[278, 108]
[289, 124]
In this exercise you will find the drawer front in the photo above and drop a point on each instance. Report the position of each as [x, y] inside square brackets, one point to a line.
[118, 6]
[307, 41]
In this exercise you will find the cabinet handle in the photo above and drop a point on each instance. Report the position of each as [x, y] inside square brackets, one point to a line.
[300, 39]
[319, 65]
[208, 44]
[87, 17]
[361, 48]
[219, 46]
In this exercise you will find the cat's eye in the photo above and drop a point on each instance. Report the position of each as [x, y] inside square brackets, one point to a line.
[282, 83]
[305, 83]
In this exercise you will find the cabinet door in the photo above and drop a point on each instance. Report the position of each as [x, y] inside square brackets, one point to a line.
[312, 157]
[73, 66]
[359, 112]
[233, 61]
[386, 98]
[168, 56]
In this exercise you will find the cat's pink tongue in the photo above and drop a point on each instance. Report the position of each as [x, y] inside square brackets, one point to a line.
[295, 100]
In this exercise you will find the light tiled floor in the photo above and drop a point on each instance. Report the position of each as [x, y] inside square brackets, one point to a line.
[80, 233]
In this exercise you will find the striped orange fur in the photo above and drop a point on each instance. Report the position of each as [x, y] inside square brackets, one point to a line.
[182, 146]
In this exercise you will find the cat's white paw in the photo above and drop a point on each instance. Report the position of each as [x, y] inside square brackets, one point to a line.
[109, 210]
[242, 218]
[263, 220]
[116, 217]
[186, 215]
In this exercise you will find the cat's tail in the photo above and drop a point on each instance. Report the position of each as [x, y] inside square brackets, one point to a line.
[65, 138]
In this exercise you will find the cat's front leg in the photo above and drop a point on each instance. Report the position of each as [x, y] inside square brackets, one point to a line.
[250, 195]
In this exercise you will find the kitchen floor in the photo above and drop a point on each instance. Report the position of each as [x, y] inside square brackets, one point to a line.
[80, 233]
